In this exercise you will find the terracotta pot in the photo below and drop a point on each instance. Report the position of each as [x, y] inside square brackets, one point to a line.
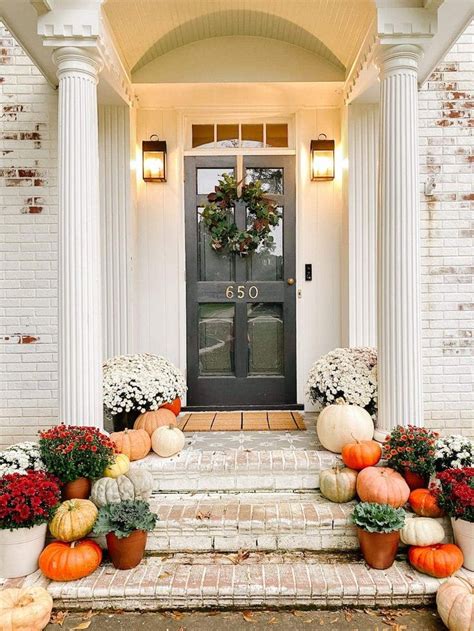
[127, 552]
[379, 548]
[125, 420]
[77, 489]
[415, 480]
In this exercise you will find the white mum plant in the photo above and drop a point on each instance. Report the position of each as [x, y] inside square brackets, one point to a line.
[140, 382]
[21, 458]
[454, 452]
[345, 375]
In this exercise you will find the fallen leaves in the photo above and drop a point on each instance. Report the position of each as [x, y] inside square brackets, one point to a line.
[58, 617]
[82, 625]
[200, 515]
[239, 556]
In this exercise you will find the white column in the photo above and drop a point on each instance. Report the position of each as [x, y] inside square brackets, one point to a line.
[80, 314]
[398, 294]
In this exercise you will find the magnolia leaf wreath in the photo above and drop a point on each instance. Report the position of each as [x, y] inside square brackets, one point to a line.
[263, 215]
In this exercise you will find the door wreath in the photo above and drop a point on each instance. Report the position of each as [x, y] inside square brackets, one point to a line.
[263, 215]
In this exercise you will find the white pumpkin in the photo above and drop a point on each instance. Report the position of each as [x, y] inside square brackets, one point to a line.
[25, 608]
[341, 424]
[136, 484]
[455, 603]
[338, 484]
[167, 441]
[422, 531]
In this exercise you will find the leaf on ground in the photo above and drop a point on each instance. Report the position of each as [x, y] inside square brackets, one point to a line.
[308, 621]
[298, 614]
[83, 625]
[273, 621]
[370, 612]
[164, 575]
[239, 556]
[200, 515]
[348, 615]
[89, 614]
[58, 617]
[333, 620]
[248, 616]
[177, 615]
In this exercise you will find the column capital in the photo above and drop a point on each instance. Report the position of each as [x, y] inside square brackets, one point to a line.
[70, 59]
[398, 59]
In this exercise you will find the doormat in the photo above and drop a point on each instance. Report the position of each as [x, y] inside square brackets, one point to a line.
[241, 421]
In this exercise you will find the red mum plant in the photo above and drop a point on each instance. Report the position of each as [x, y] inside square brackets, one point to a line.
[27, 500]
[456, 493]
[411, 449]
[72, 452]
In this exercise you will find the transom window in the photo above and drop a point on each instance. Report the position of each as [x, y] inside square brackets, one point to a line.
[239, 135]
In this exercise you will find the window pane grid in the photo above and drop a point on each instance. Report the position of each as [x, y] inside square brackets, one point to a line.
[239, 135]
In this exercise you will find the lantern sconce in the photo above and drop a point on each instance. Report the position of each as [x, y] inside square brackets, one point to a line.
[322, 159]
[154, 159]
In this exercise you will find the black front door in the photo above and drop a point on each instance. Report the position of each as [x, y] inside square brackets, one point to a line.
[241, 320]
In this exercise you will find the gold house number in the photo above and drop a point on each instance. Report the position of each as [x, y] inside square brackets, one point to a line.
[252, 292]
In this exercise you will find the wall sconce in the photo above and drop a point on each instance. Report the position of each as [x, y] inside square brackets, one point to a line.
[322, 159]
[154, 159]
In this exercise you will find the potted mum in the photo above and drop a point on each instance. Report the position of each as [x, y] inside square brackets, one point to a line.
[410, 450]
[378, 531]
[21, 458]
[135, 384]
[76, 455]
[455, 495]
[453, 452]
[125, 525]
[27, 502]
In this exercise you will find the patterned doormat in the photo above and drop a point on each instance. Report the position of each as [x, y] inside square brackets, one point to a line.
[241, 421]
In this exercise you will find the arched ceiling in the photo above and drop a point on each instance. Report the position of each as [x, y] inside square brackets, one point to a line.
[331, 29]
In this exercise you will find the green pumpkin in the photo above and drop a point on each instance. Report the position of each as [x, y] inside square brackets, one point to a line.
[136, 484]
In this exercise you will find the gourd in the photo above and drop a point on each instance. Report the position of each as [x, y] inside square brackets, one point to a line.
[440, 560]
[341, 424]
[361, 454]
[338, 484]
[25, 608]
[120, 466]
[424, 503]
[382, 485]
[137, 484]
[422, 531]
[61, 561]
[174, 406]
[149, 421]
[167, 441]
[134, 443]
[73, 520]
[455, 603]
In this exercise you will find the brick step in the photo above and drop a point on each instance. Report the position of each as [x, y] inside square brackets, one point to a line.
[261, 580]
[238, 470]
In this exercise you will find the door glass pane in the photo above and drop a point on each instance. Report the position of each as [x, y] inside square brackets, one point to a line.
[227, 136]
[216, 339]
[271, 179]
[277, 135]
[203, 135]
[212, 265]
[252, 136]
[208, 178]
[265, 338]
[266, 263]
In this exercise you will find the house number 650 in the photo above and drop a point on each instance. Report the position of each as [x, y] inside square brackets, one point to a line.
[252, 291]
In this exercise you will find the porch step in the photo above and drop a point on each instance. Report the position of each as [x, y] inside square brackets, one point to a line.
[286, 580]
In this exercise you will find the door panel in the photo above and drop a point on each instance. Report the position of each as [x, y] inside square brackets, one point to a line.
[241, 347]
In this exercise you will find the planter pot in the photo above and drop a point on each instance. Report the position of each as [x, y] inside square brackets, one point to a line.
[20, 550]
[127, 552]
[124, 420]
[415, 480]
[79, 489]
[379, 548]
[464, 537]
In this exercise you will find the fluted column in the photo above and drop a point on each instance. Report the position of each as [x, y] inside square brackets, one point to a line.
[80, 299]
[398, 292]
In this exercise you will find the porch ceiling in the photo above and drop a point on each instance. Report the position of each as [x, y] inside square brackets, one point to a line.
[147, 29]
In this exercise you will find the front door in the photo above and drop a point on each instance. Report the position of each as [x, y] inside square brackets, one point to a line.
[241, 321]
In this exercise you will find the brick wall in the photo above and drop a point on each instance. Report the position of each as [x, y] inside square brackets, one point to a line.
[28, 245]
[446, 152]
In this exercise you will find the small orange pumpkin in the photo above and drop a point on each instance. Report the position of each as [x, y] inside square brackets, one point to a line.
[440, 560]
[382, 485]
[61, 561]
[149, 421]
[134, 443]
[174, 406]
[361, 454]
[424, 503]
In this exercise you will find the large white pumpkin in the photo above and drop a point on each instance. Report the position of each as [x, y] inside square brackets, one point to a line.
[167, 441]
[342, 424]
[25, 608]
[455, 603]
[422, 531]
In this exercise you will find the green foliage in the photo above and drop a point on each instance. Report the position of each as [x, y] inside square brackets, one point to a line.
[124, 518]
[378, 517]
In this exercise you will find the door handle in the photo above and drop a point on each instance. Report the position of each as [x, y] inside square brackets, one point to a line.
[290, 281]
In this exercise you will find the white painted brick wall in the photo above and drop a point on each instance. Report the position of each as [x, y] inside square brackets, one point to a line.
[28, 246]
[447, 228]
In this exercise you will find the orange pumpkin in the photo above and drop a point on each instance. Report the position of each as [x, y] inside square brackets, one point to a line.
[361, 454]
[134, 443]
[424, 503]
[382, 485]
[174, 406]
[61, 561]
[440, 560]
[149, 421]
